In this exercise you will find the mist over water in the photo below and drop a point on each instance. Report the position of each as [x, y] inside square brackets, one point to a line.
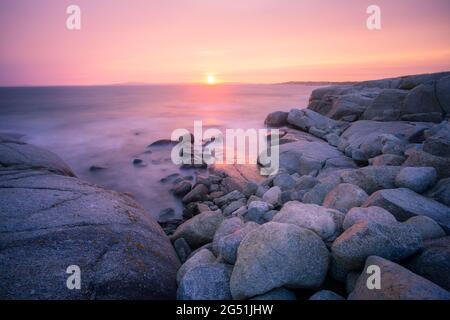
[110, 126]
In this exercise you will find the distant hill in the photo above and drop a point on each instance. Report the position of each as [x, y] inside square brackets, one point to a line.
[318, 83]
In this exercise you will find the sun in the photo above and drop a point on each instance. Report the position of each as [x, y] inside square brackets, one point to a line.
[211, 79]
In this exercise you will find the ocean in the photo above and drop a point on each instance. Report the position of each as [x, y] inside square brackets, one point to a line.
[110, 126]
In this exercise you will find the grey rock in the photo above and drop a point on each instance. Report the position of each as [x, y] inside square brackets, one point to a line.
[421, 104]
[418, 179]
[394, 241]
[306, 120]
[233, 206]
[272, 195]
[318, 193]
[441, 192]
[284, 181]
[206, 282]
[386, 106]
[182, 188]
[200, 229]
[276, 119]
[276, 255]
[182, 249]
[326, 295]
[229, 244]
[198, 193]
[372, 179]
[397, 283]
[344, 197]
[443, 93]
[250, 189]
[433, 262]
[405, 203]
[438, 143]
[228, 198]
[427, 227]
[387, 160]
[204, 256]
[327, 223]
[277, 294]
[228, 226]
[376, 214]
[256, 211]
[419, 158]
[351, 280]
[269, 215]
[305, 183]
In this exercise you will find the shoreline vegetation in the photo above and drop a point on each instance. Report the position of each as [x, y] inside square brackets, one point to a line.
[364, 181]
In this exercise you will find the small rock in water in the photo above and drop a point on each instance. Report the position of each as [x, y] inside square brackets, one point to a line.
[182, 188]
[182, 248]
[97, 168]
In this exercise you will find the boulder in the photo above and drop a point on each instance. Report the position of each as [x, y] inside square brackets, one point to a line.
[277, 294]
[433, 262]
[419, 158]
[397, 283]
[206, 282]
[228, 226]
[200, 229]
[52, 220]
[284, 181]
[326, 295]
[278, 255]
[318, 193]
[405, 203]
[256, 211]
[410, 82]
[182, 249]
[182, 188]
[427, 227]
[271, 196]
[235, 205]
[421, 104]
[376, 214]
[229, 198]
[198, 193]
[276, 119]
[386, 106]
[438, 142]
[387, 160]
[441, 192]
[250, 188]
[204, 256]
[391, 241]
[371, 178]
[229, 244]
[327, 223]
[315, 123]
[443, 93]
[418, 179]
[344, 197]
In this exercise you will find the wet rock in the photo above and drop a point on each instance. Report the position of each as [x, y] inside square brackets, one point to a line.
[276, 255]
[276, 119]
[198, 193]
[405, 203]
[182, 188]
[182, 249]
[344, 197]
[397, 283]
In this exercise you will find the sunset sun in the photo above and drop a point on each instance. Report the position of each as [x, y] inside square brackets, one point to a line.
[211, 79]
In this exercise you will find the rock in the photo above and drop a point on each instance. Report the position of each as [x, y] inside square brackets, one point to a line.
[351, 105]
[315, 123]
[284, 181]
[441, 192]
[250, 189]
[410, 82]
[326, 295]
[200, 229]
[433, 262]
[443, 93]
[404, 204]
[166, 215]
[427, 227]
[397, 283]
[95, 168]
[421, 104]
[391, 241]
[232, 207]
[318, 193]
[350, 282]
[376, 214]
[182, 249]
[309, 157]
[386, 106]
[52, 220]
[368, 138]
[228, 226]
[306, 183]
[138, 162]
[419, 158]
[229, 198]
[418, 179]
[438, 143]
[256, 211]
[204, 256]
[387, 160]
[277, 294]
[229, 244]
[271, 196]
[327, 223]
[276, 119]
[198, 193]
[206, 282]
[269, 215]
[182, 188]
[372, 179]
[344, 197]
[276, 255]
[332, 139]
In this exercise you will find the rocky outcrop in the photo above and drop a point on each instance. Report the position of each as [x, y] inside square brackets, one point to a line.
[51, 220]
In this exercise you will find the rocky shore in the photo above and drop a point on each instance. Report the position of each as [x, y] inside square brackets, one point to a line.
[364, 180]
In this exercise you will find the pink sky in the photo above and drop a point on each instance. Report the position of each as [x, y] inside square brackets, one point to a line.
[259, 41]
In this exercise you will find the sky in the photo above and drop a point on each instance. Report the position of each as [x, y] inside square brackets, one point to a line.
[248, 41]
